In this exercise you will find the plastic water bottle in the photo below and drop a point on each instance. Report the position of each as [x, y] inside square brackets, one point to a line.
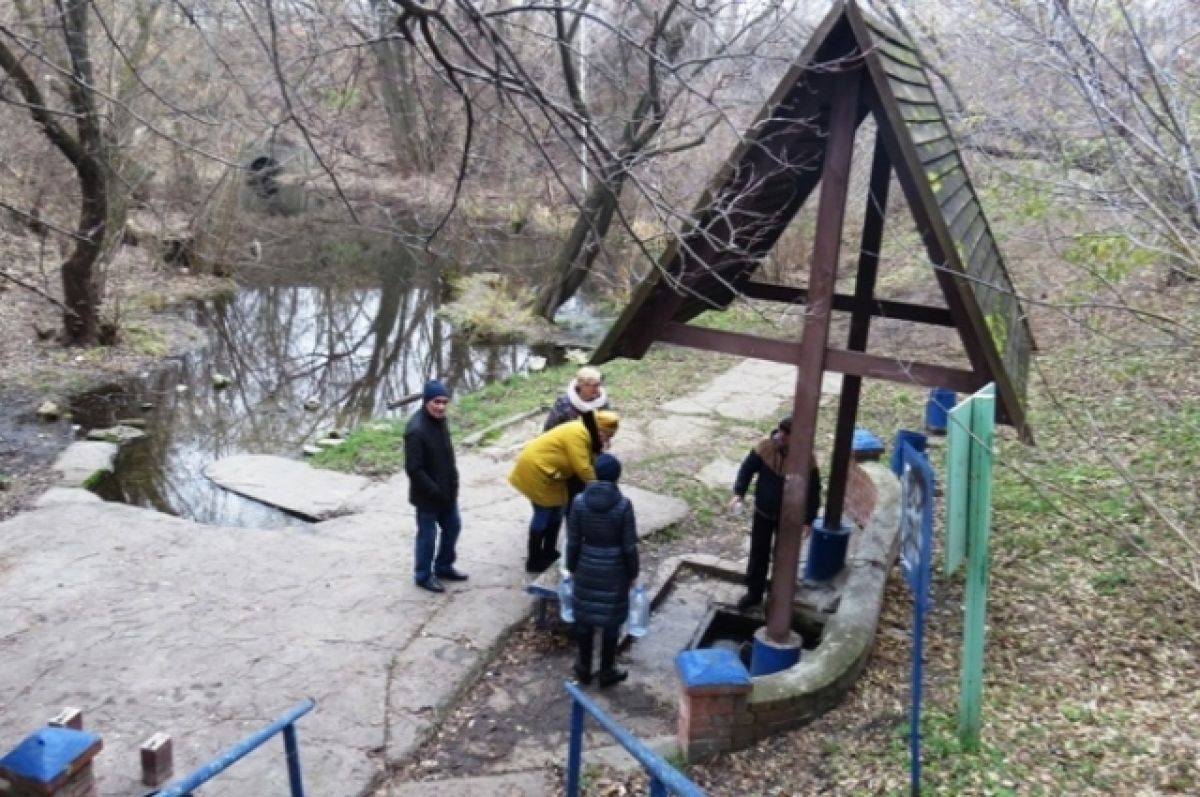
[639, 611]
[566, 596]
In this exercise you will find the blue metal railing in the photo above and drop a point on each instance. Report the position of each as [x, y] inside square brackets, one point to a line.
[664, 778]
[286, 723]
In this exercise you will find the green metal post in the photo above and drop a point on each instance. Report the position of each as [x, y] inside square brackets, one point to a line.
[958, 471]
[983, 425]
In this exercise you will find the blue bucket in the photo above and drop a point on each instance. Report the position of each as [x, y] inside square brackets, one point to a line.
[826, 551]
[768, 657]
[937, 409]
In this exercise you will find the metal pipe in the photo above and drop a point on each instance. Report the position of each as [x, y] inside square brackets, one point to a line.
[575, 748]
[860, 328]
[814, 340]
[235, 753]
[652, 762]
[291, 749]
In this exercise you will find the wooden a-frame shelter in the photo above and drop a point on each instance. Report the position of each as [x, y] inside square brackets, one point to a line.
[854, 66]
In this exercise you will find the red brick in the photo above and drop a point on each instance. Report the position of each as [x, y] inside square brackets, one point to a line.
[68, 718]
[711, 691]
[157, 760]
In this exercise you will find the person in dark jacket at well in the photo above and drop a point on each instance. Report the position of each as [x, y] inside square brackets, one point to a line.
[602, 555]
[765, 461]
[433, 489]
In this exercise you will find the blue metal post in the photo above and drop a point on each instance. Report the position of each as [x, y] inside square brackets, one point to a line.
[657, 788]
[235, 753]
[575, 748]
[914, 732]
[292, 750]
[659, 770]
[916, 551]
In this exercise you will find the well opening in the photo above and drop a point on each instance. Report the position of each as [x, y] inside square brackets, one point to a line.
[726, 628]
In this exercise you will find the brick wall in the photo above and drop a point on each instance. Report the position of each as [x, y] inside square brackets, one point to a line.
[861, 494]
[718, 717]
[51, 762]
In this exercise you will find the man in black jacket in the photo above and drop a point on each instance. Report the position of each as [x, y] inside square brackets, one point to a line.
[766, 461]
[433, 489]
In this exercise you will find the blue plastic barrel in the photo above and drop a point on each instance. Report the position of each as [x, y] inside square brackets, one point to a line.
[826, 551]
[937, 409]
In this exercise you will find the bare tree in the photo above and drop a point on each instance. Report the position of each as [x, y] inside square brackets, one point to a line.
[630, 83]
[1104, 92]
[85, 151]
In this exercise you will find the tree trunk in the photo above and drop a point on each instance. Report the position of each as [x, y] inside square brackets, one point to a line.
[81, 322]
[412, 146]
[574, 261]
[81, 295]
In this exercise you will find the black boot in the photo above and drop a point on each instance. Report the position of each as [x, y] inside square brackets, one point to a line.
[583, 664]
[533, 555]
[609, 675]
[550, 552]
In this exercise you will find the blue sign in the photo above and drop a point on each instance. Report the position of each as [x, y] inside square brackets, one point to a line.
[916, 520]
[916, 553]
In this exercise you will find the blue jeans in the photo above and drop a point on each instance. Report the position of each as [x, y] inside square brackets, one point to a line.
[428, 521]
[547, 520]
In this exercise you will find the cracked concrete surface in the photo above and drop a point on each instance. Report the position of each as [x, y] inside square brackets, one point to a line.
[152, 623]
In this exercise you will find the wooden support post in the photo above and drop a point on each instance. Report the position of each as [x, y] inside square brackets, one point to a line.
[860, 327]
[835, 181]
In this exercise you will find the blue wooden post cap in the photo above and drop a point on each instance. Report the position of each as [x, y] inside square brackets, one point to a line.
[49, 756]
[866, 444]
[711, 667]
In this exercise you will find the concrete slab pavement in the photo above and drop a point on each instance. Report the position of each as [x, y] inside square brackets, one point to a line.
[152, 623]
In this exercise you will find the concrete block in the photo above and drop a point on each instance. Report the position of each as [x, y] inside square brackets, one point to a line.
[158, 763]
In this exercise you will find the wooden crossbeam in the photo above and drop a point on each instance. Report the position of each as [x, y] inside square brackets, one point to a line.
[857, 363]
[736, 343]
[879, 308]
[850, 363]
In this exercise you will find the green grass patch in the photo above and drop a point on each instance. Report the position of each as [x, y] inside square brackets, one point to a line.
[635, 387]
[373, 449]
[144, 340]
[488, 307]
[951, 768]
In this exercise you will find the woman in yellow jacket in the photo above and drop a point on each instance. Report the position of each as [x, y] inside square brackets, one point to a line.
[541, 473]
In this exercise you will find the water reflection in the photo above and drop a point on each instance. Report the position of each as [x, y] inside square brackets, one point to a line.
[349, 351]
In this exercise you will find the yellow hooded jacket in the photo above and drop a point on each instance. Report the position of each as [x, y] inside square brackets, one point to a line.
[549, 460]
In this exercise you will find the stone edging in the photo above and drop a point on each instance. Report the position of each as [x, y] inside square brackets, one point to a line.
[710, 722]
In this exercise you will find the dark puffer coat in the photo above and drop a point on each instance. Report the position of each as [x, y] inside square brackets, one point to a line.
[602, 554]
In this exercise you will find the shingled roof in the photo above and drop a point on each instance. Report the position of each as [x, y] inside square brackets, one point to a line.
[773, 172]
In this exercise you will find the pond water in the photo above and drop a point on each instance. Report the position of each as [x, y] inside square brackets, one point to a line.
[303, 360]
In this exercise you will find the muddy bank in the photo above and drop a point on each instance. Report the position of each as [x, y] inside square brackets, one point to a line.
[35, 368]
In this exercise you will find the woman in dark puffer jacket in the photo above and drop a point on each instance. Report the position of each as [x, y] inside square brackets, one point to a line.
[602, 555]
